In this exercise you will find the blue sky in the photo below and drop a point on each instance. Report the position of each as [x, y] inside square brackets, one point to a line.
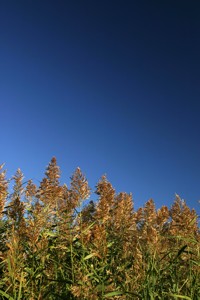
[110, 86]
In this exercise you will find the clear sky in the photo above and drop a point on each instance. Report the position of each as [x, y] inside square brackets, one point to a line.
[110, 86]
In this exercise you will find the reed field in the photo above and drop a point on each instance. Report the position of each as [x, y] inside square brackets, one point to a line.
[56, 243]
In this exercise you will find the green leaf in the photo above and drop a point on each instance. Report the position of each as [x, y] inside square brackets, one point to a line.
[111, 294]
[180, 296]
[110, 244]
[90, 255]
[182, 250]
[6, 295]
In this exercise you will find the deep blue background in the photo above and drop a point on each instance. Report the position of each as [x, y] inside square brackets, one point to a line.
[110, 86]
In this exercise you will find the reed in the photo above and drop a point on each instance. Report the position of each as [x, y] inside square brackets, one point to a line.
[56, 245]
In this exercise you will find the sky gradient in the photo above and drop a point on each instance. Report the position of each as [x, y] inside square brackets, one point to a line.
[110, 86]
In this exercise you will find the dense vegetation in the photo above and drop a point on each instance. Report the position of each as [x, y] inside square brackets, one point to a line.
[56, 245]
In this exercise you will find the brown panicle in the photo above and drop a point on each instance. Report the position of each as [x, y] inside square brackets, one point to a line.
[16, 206]
[106, 194]
[3, 190]
[79, 189]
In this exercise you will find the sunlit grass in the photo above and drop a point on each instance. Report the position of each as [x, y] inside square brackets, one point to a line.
[52, 246]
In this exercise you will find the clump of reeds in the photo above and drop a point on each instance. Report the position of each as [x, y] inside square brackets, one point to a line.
[54, 245]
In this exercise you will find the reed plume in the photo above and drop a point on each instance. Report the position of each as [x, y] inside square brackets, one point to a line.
[3, 189]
